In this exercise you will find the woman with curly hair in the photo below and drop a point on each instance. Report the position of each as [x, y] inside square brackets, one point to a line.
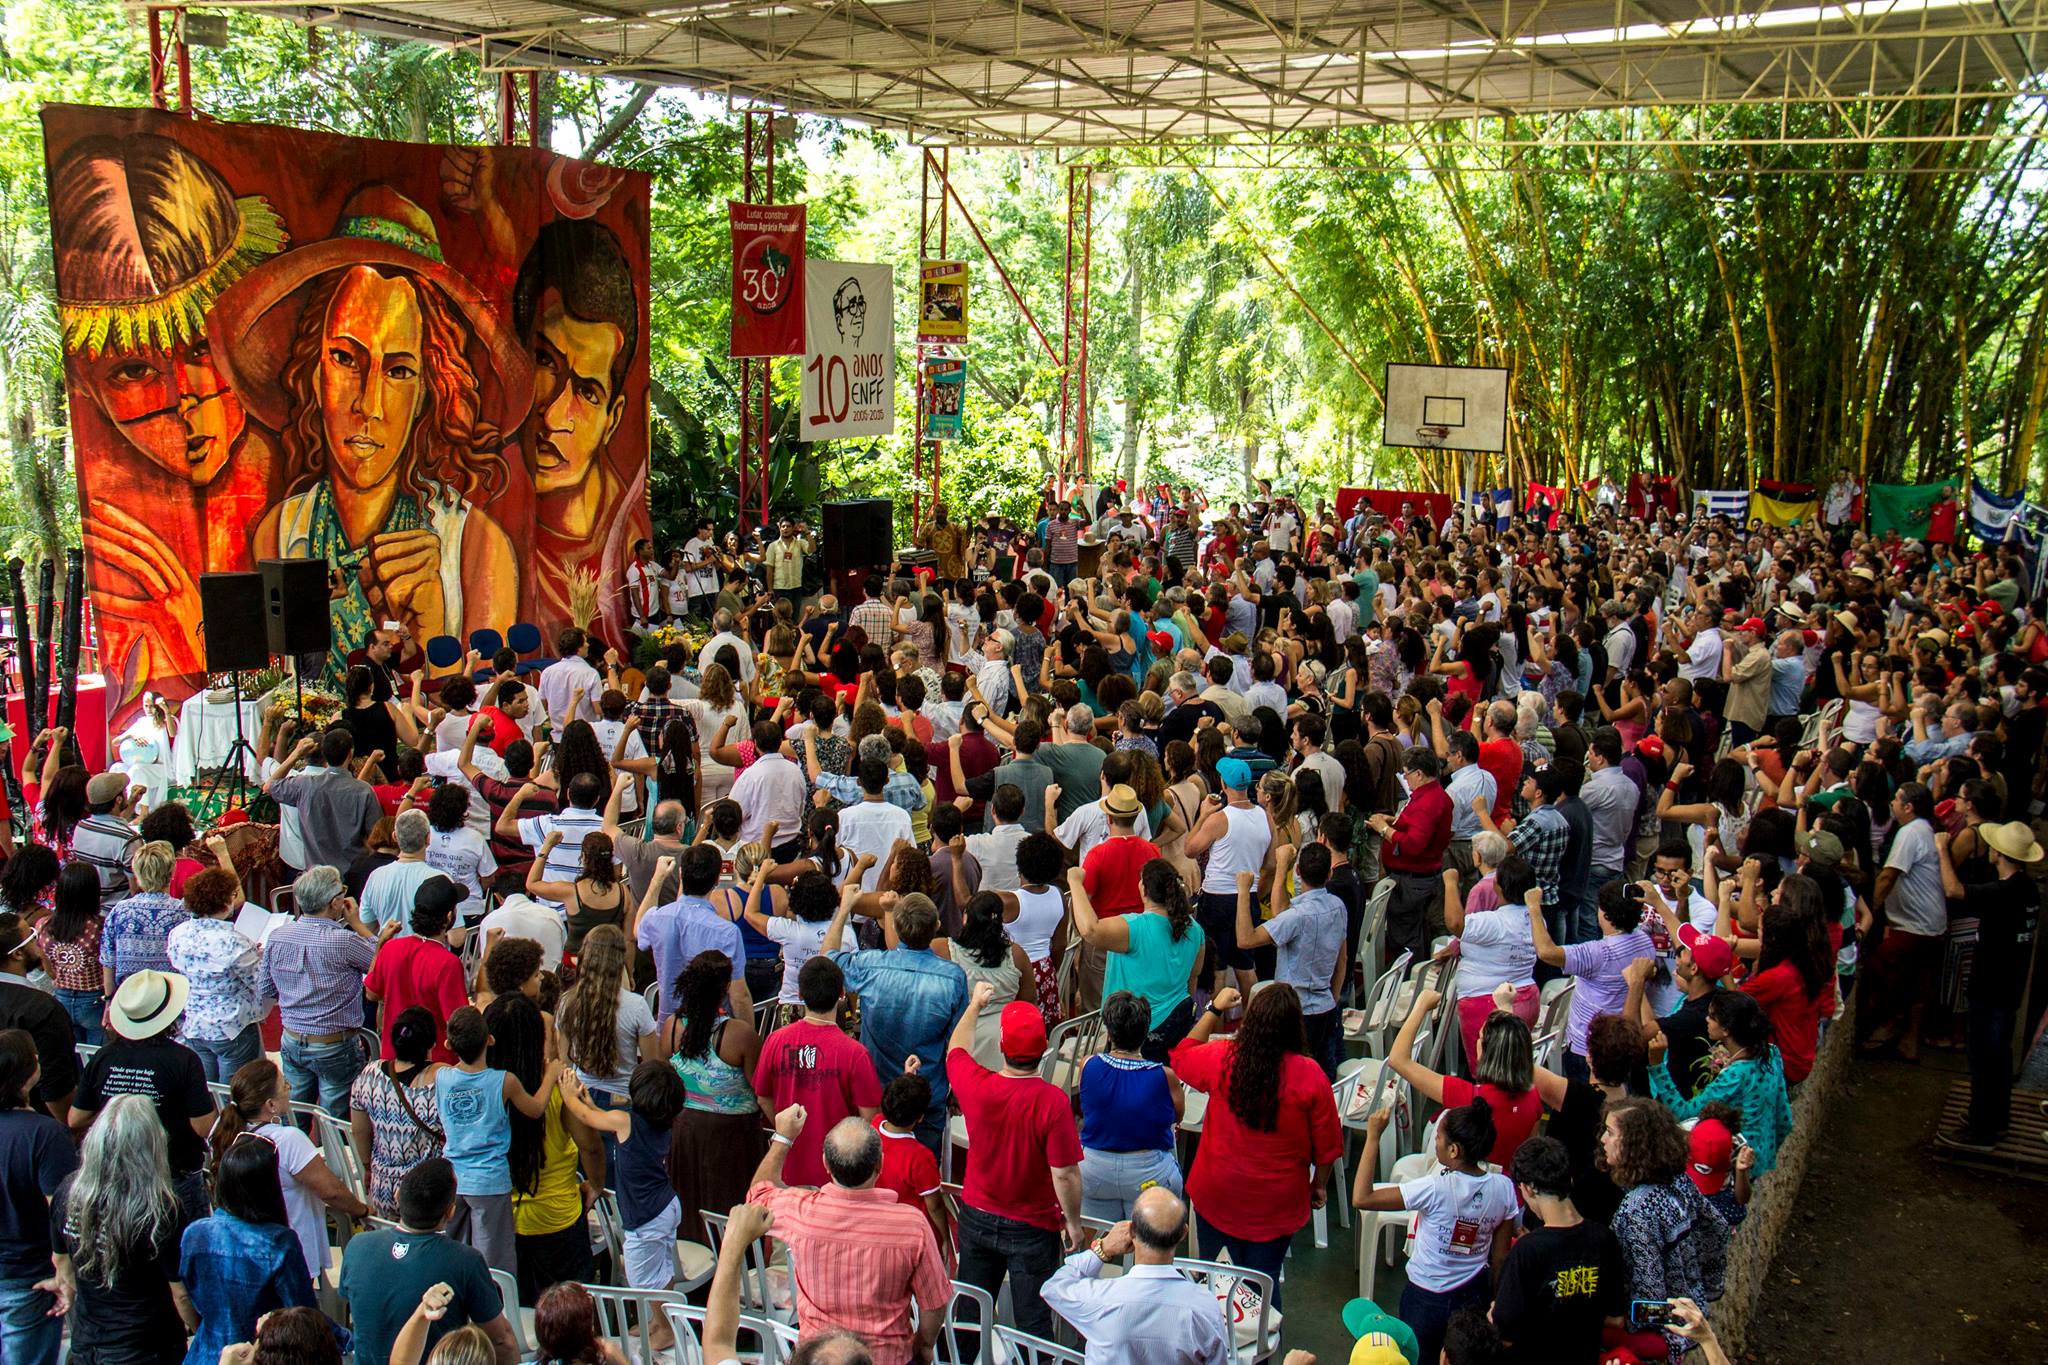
[983, 950]
[716, 701]
[28, 881]
[579, 751]
[1673, 1243]
[717, 1139]
[1270, 1118]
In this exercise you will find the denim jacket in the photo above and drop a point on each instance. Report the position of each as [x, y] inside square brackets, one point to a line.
[236, 1272]
[909, 1001]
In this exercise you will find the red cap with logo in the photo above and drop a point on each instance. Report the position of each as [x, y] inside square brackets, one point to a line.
[1711, 1154]
[1714, 957]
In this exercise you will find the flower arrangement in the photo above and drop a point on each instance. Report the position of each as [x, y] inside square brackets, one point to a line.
[316, 710]
[692, 635]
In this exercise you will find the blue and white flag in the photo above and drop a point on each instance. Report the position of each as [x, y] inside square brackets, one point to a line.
[1990, 514]
[1500, 502]
[1732, 503]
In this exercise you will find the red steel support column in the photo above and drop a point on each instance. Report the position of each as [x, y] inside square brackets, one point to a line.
[156, 59]
[1066, 342]
[924, 232]
[184, 69]
[533, 108]
[508, 115]
[1082, 454]
[945, 217]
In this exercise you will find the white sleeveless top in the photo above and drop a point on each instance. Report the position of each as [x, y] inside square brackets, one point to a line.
[1241, 849]
[1038, 914]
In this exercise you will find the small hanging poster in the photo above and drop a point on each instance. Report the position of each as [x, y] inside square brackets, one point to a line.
[945, 396]
[942, 301]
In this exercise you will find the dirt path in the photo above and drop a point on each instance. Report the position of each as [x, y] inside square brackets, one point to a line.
[1894, 1256]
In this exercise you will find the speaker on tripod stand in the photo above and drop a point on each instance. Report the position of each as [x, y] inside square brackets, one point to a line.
[237, 641]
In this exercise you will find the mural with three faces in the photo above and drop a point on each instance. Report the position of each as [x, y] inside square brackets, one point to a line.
[425, 365]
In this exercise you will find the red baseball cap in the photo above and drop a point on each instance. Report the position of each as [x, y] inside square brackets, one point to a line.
[1711, 1154]
[1754, 625]
[1023, 1035]
[1650, 746]
[1161, 641]
[1714, 957]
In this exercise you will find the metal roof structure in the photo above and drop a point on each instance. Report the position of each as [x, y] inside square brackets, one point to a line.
[1124, 72]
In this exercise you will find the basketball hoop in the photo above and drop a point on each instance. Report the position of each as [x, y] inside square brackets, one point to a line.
[1433, 436]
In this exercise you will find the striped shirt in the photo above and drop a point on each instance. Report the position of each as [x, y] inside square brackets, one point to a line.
[565, 862]
[104, 843]
[314, 968]
[861, 1259]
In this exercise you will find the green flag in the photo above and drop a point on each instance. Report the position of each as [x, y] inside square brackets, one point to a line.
[1906, 507]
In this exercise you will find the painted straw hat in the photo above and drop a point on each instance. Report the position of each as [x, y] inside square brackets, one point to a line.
[254, 320]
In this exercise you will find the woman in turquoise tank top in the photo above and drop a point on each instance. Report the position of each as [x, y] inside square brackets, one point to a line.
[718, 1138]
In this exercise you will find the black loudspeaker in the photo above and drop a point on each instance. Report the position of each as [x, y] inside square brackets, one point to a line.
[296, 611]
[231, 619]
[858, 533]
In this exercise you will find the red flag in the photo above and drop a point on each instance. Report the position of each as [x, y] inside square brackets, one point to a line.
[767, 279]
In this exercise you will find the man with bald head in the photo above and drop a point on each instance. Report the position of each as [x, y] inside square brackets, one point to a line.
[1152, 1314]
[861, 1257]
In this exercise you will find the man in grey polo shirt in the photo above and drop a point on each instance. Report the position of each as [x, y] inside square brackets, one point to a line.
[336, 812]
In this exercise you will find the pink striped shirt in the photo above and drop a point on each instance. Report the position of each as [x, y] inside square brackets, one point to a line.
[860, 1259]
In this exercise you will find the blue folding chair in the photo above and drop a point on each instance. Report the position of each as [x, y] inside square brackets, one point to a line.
[524, 637]
[444, 651]
[486, 642]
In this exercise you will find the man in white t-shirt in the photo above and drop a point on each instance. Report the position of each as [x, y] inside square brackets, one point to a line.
[700, 570]
[727, 638]
[521, 916]
[873, 825]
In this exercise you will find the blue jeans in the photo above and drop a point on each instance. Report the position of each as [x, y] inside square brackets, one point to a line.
[321, 1073]
[1112, 1181]
[28, 1334]
[86, 1009]
[1063, 574]
[1585, 925]
[221, 1058]
[1430, 1311]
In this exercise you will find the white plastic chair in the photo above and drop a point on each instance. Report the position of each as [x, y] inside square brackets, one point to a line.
[627, 1316]
[1374, 1028]
[776, 1341]
[1072, 1043]
[516, 1313]
[1250, 1343]
[1372, 927]
[766, 1288]
[1021, 1348]
[981, 1308]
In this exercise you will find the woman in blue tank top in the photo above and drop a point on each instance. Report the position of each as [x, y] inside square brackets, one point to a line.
[1129, 1108]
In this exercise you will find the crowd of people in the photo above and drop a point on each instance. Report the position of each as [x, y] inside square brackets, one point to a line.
[1045, 877]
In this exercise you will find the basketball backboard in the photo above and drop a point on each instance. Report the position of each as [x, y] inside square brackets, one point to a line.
[1446, 407]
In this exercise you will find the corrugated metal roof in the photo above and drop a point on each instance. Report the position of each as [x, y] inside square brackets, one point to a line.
[1121, 71]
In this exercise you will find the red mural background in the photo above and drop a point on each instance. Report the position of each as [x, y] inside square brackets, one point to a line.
[426, 365]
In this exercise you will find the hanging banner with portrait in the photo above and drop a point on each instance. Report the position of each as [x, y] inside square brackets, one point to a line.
[945, 397]
[849, 386]
[425, 365]
[942, 301]
[767, 279]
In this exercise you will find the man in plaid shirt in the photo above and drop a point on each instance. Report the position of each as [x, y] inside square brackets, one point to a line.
[655, 710]
[874, 616]
[1541, 836]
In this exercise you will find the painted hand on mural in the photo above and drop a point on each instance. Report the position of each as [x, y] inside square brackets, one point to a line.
[401, 577]
[118, 541]
[468, 176]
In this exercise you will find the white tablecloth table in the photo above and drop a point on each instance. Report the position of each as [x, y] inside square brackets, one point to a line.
[206, 731]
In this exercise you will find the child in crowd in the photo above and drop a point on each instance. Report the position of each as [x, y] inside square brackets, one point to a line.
[476, 1102]
[648, 1206]
[1720, 1161]
[908, 1166]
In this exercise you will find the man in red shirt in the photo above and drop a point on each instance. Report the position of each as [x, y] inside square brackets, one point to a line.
[1024, 1179]
[421, 969]
[1110, 874]
[1501, 756]
[1412, 851]
[814, 1064]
